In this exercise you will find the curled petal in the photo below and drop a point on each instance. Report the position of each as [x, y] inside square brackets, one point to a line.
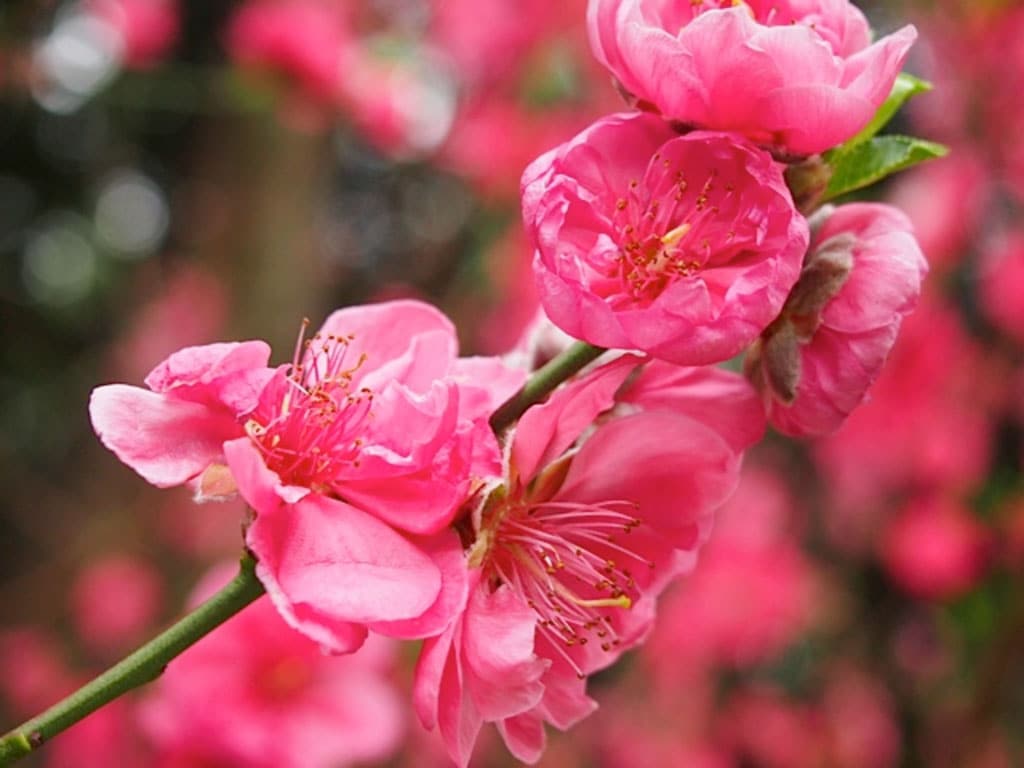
[166, 440]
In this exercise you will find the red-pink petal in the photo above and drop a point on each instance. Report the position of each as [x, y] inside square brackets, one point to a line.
[166, 440]
[545, 431]
[328, 565]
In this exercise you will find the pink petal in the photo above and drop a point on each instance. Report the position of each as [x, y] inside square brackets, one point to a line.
[503, 673]
[675, 468]
[434, 655]
[445, 550]
[231, 374]
[457, 716]
[328, 565]
[546, 431]
[565, 700]
[385, 332]
[524, 736]
[166, 440]
[722, 400]
[484, 384]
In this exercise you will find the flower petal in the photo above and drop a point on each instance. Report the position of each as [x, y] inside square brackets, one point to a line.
[166, 440]
[547, 430]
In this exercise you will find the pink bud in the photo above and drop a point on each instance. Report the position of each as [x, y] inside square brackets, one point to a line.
[815, 363]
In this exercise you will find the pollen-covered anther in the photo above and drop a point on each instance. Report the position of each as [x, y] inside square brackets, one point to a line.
[315, 427]
[556, 555]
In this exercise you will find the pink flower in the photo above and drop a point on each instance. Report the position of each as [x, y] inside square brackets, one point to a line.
[815, 363]
[32, 671]
[189, 308]
[681, 246]
[404, 106]
[147, 28]
[801, 76]
[934, 405]
[751, 595]
[935, 549]
[259, 694]
[108, 736]
[575, 543]
[355, 458]
[114, 603]
[1002, 285]
[945, 201]
[305, 40]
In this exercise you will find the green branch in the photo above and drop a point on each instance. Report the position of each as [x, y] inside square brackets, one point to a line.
[143, 666]
[543, 382]
[148, 662]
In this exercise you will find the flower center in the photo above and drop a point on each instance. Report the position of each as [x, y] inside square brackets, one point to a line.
[568, 563]
[668, 228]
[310, 422]
[283, 679]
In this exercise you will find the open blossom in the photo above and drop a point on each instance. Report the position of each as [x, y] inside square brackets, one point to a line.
[681, 246]
[802, 76]
[354, 458]
[862, 275]
[278, 701]
[576, 541]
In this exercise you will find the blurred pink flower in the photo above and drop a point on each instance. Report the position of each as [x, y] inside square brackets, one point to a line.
[33, 675]
[377, 411]
[188, 309]
[849, 724]
[114, 603]
[681, 246]
[934, 404]
[765, 729]
[945, 202]
[147, 28]
[751, 595]
[257, 693]
[107, 737]
[802, 76]
[471, 31]
[197, 530]
[494, 168]
[402, 105]
[575, 543]
[513, 304]
[935, 549]
[816, 361]
[1002, 286]
[858, 710]
[304, 40]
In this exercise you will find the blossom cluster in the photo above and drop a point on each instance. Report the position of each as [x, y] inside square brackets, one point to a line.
[530, 556]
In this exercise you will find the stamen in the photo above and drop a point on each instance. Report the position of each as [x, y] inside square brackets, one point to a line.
[313, 429]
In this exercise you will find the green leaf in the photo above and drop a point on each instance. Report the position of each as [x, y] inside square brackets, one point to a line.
[860, 165]
[904, 89]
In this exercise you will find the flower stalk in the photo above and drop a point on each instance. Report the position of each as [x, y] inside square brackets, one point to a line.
[148, 662]
[143, 666]
[543, 382]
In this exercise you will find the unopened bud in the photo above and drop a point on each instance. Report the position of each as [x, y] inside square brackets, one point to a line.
[825, 271]
[780, 361]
